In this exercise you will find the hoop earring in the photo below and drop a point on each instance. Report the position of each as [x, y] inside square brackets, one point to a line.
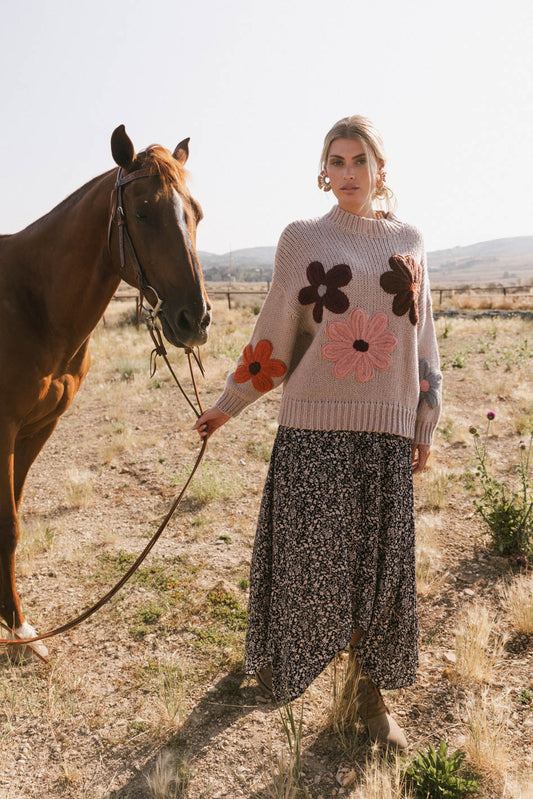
[380, 182]
[324, 182]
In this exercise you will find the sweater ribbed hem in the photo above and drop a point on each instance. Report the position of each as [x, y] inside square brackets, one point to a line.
[330, 415]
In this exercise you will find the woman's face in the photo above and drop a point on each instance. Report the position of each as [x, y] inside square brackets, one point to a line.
[353, 175]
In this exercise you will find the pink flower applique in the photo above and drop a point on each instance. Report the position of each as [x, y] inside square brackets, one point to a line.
[360, 345]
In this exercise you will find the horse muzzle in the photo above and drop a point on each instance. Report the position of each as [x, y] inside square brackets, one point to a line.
[185, 328]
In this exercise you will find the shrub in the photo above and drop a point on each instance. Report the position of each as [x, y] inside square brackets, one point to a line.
[507, 510]
[435, 773]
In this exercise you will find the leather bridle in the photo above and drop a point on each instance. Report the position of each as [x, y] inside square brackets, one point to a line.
[117, 215]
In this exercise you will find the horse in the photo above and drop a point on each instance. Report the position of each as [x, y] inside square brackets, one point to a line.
[137, 223]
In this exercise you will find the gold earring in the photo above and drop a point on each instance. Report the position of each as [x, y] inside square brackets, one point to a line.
[380, 181]
[324, 182]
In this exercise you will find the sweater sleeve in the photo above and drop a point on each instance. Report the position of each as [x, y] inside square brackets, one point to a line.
[266, 359]
[430, 377]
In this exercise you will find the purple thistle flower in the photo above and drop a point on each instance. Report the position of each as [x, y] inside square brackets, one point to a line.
[491, 416]
[522, 444]
[521, 561]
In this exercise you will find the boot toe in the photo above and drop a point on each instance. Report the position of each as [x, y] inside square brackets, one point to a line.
[384, 729]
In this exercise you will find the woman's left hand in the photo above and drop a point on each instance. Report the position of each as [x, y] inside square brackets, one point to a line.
[420, 456]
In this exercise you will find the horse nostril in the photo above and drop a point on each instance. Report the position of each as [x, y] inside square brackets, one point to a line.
[185, 320]
[206, 320]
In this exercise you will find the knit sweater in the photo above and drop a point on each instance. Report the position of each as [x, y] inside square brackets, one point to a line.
[347, 328]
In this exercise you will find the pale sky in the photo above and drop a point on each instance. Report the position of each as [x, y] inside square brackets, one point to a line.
[256, 85]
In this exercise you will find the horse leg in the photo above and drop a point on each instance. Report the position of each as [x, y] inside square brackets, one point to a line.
[9, 534]
[26, 450]
[22, 455]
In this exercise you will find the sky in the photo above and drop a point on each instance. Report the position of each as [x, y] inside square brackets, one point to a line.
[257, 85]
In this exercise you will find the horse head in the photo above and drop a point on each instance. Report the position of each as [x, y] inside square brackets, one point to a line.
[154, 236]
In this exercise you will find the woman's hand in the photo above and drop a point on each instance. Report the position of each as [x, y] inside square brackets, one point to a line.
[420, 456]
[210, 421]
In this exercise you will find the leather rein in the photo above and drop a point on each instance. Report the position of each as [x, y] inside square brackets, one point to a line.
[118, 216]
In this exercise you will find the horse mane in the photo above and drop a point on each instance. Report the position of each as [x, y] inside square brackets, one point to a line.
[161, 162]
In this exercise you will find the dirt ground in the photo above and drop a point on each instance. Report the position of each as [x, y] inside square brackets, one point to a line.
[153, 684]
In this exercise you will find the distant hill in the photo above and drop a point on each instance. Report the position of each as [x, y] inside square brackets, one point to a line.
[498, 261]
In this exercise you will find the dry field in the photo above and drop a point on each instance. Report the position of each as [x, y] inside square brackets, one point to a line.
[148, 699]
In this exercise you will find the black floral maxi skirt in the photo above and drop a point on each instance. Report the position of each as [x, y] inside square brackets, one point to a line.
[334, 550]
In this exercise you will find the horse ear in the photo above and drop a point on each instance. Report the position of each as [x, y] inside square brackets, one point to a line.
[122, 147]
[181, 153]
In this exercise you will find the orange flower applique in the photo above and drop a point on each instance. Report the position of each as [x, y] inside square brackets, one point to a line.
[259, 367]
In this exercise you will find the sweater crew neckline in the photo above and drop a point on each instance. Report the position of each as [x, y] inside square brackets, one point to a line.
[362, 225]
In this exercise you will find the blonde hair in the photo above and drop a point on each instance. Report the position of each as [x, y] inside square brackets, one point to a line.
[362, 129]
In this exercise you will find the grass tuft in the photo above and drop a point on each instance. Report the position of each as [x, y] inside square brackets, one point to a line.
[478, 648]
[169, 778]
[517, 598]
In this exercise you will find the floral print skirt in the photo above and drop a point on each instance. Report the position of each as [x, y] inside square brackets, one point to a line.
[334, 550]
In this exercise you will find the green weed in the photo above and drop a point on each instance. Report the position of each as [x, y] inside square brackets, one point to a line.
[437, 774]
[506, 510]
[525, 697]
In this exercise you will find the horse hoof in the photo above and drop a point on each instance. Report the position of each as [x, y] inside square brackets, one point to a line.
[37, 649]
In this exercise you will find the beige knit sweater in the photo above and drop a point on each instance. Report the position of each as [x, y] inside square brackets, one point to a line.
[347, 327]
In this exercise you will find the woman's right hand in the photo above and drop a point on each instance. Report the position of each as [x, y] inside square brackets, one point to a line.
[210, 421]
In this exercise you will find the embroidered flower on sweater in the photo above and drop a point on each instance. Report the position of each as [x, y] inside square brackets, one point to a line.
[360, 345]
[259, 367]
[403, 280]
[429, 384]
[324, 289]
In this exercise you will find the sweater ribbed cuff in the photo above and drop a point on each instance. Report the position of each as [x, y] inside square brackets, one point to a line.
[424, 432]
[230, 403]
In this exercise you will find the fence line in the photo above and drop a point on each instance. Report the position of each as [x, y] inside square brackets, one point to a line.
[441, 292]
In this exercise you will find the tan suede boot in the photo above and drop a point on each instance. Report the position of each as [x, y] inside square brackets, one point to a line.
[374, 712]
[264, 679]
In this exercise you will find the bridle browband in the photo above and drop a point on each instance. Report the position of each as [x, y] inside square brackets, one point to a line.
[118, 216]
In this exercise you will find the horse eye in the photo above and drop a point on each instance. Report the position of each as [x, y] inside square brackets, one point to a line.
[140, 215]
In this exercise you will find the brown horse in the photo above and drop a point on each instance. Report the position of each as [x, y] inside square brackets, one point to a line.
[56, 278]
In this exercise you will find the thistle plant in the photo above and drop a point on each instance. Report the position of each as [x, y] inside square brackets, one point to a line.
[507, 510]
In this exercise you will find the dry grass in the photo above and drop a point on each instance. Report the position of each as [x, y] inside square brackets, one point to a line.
[169, 777]
[429, 573]
[79, 488]
[517, 600]
[283, 774]
[381, 778]
[518, 786]
[342, 716]
[37, 538]
[478, 648]
[487, 718]
[434, 485]
[171, 691]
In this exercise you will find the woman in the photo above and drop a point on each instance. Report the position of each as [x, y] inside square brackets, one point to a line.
[347, 327]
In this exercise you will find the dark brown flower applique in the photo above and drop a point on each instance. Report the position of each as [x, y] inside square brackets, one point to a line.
[404, 281]
[324, 289]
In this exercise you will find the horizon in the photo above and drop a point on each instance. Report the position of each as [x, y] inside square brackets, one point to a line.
[441, 249]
